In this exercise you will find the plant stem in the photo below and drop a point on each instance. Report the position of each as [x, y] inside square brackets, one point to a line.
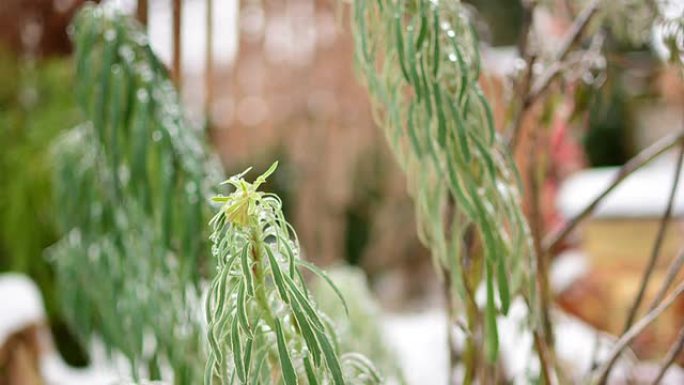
[522, 86]
[634, 164]
[570, 40]
[536, 226]
[672, 272]
[257, 257]
[544, 359]
[531, 92]
[471, 270]
[451, 314]
[670, 358]
[633, 332]
[657, 245]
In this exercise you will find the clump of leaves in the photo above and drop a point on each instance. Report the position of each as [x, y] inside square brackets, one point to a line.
[130, 186]
[420, 61]
[263, 325]
[360, 329]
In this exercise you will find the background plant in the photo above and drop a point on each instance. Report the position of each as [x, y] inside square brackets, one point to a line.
[130, 186]
[421, 64]
[36, 101]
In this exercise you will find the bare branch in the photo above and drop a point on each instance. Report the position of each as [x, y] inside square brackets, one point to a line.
[544, 359]
[672, 271]
[530, 92]
[570, 40]
[634, 164]
[633, 332]
[676, 348]
[658, 243]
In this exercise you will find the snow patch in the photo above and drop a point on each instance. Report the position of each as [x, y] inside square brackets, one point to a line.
[21, 304]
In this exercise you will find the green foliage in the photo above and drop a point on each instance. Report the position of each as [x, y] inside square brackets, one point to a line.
[421, 64]
[358, 329]
[503, 19]
[264, 326]
[35, 102]
[130, 186]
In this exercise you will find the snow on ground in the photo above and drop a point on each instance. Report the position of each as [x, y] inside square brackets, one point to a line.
[21, 305]
[419, 341]
[642, 194]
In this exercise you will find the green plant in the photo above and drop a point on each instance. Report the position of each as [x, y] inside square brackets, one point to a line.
[264, 326]
[35, 102]
[359, 324]
[420, 62]
[130, 188]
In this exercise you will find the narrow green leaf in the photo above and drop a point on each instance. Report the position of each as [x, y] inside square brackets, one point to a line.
[277, 275]
[289, 374]
[237, 351]
[307, 332]
[413, 72]
[248, 357]
[310, 374]
[246, 269]
[460, 131]
[242, 309]
[436, 58]
[331, 358]
[400, 46]
[305, 304]
[321, 274]
[413, 136]
[262, 178]
[423, 27]
[441, 120]
[491, 332]
[491, 130]
[502, 283]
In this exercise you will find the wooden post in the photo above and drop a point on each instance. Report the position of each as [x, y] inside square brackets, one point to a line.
[209, 62]
[141, 12]
[176, 69]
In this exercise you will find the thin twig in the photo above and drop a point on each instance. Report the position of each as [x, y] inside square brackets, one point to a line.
[523, 88]
[451, 319]
[657, 244]
[634, 164]
[537, 229]
[570, 40]
[634, 331]
[530, 93]
[544, 359]
[670, 358]
[672, 272]
[527, 22]
[522, 85]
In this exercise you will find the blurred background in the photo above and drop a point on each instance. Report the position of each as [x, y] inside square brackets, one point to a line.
[274, 80]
